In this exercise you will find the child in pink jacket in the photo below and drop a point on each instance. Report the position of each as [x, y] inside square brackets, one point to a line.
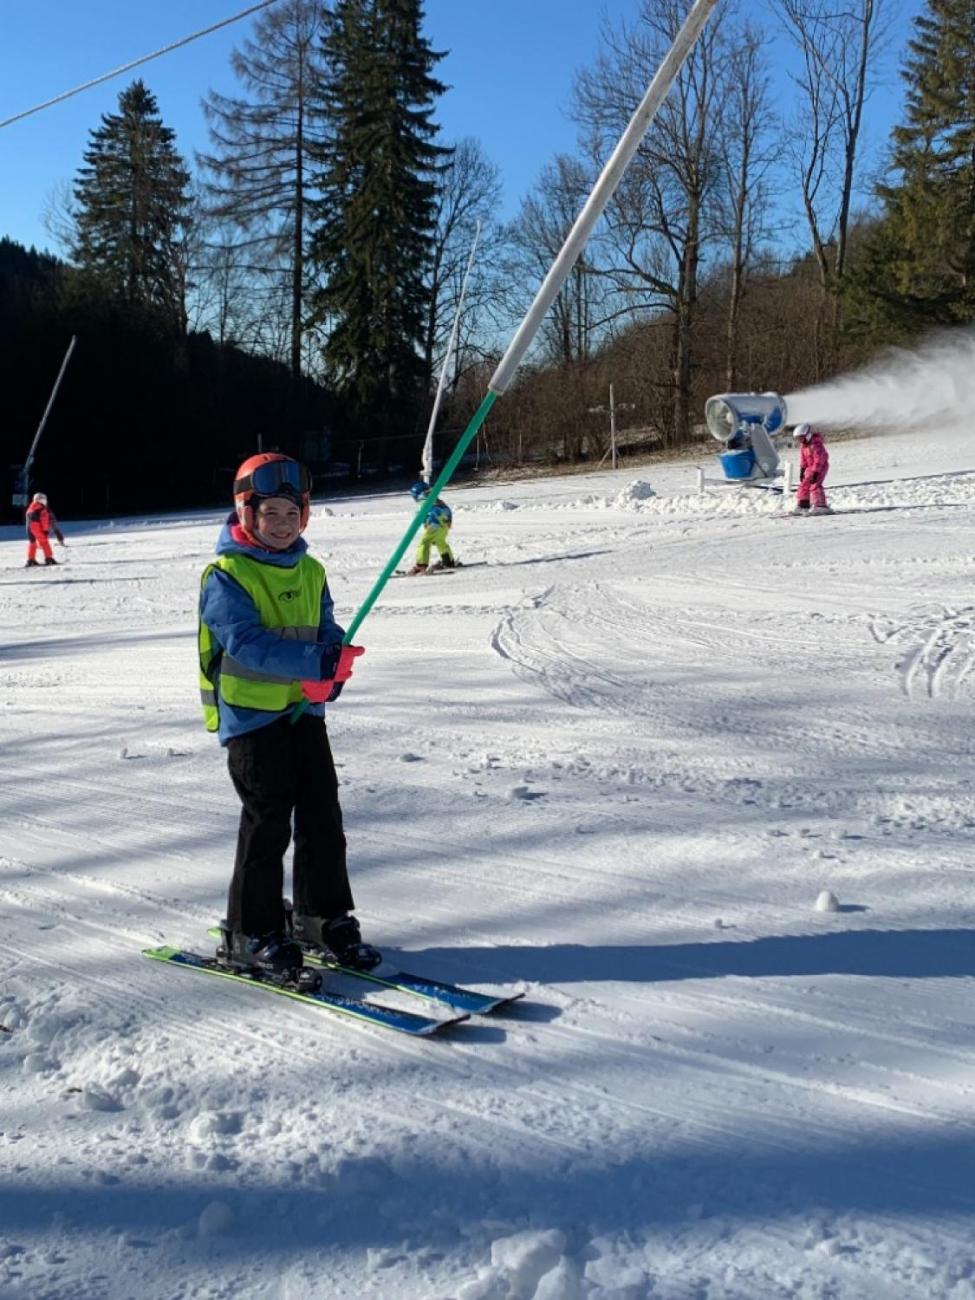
[813, 468]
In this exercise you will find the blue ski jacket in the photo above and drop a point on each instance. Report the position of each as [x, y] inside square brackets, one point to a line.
[438, 515]
[233, 619]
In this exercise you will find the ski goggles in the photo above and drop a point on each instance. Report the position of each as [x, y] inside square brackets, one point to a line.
[277, 478]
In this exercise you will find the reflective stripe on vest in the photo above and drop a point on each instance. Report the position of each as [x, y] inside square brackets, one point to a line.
[288, 603]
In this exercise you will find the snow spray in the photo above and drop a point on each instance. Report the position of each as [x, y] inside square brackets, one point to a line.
[904, 389]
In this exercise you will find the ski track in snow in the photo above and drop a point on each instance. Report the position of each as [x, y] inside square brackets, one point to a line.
[611, 766]
[939, 654]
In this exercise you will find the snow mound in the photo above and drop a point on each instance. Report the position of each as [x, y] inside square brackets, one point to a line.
[489, 507]
[94, 1097]
[638, 490]
[561, 1283]
[827, 902]
[489, 1285]
[215, 1219]
[525, 1258]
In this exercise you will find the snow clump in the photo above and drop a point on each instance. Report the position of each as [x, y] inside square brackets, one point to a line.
[216, 1218]
[638, 490]
[525, 1258]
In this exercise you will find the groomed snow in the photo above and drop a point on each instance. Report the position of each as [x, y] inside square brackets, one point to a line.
[616, 765]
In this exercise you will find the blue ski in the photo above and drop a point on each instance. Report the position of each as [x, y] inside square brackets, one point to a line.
[421, 986]
[405, 1022]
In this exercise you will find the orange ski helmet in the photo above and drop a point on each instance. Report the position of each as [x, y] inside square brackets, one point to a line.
[269, 474]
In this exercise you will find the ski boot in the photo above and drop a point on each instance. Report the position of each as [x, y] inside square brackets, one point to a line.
[338, 940]
[49, 559]
[448, 562]
[821, 510]
[32, 564]
[274, 957]
[417, 571]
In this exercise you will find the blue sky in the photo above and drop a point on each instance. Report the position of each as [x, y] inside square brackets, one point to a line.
[510, 67]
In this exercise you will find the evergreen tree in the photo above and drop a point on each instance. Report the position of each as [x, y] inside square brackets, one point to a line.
[919, 265]
[378, 211]
[261, 145]
[134, 207]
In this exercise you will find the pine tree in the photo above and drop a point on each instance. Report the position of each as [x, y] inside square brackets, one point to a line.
[378, 212]
[262, 145]
[919, 265]
[134, 207]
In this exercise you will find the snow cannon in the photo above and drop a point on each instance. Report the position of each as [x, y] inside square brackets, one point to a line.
[745, 423]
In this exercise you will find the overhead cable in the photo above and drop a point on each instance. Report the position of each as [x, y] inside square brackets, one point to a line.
[106, 76]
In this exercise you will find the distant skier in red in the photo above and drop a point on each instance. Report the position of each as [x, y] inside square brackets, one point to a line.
[813, 468]
[41, 523]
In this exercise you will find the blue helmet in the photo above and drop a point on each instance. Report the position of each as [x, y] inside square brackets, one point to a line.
[419, 489]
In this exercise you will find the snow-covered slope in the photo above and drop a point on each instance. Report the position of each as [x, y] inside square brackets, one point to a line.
[613, 765]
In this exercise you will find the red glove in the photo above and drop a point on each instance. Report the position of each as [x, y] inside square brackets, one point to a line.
[317, 692]
[329, 689]
[347, 657]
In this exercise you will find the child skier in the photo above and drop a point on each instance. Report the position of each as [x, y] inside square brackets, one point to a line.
[267, 642]
[41, 523]
[813, 468]
[434, 532]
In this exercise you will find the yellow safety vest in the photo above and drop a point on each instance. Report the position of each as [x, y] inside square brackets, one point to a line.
[289, 603]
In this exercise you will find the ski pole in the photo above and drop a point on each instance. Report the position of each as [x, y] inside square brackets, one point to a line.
[601, 193]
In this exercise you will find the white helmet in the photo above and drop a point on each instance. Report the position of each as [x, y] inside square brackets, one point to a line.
[40, 498]
[802, 431]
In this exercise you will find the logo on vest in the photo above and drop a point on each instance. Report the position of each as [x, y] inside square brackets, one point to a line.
[292, 594]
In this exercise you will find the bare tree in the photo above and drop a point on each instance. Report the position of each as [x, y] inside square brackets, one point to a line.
[469, 197]
[663, 212]
[59, 217]
[568, 334]
[223, 286]
[838, 47]
[749, 152]
[262, 145]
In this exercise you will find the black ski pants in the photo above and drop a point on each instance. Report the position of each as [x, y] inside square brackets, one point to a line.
[278, 771]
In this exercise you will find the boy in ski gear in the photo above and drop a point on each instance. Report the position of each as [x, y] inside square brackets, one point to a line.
[268, 642]
[434, 532]
[41, 523]
[813, 468]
